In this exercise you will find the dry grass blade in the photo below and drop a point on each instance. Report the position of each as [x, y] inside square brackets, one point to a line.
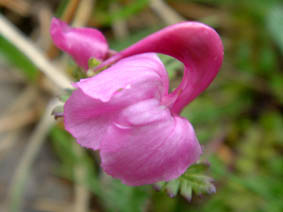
[82, 195]
[44, 15]
[83, 13]
[51, 205]
[25, 98]
[24, 167]
[119, 27]
[7, 143]
[33, 53]
[17, 120]
[21, 102]
[166, 13]
[19, 114]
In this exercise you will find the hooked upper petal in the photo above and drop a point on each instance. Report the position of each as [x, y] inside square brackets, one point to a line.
[95, 103]
[196, 45]
[146, 144]
[81, 43]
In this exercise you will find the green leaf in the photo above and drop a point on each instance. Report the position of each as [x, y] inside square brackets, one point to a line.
[63, 144]
[275, 24]
[17, 58]
[171, 64]
[118, 197]
[192, 181]
[125, 12]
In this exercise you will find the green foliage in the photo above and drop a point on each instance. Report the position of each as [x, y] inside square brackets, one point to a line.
[172, 65]
[275, 24]
[61, 8]
[119, 45]
[121, 198]
[18, 59]
[255, 184]
[93, 62]
[124, 12]
[65, 146]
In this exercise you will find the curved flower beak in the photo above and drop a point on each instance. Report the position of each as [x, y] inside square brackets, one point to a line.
[81, 43]
[196, 45]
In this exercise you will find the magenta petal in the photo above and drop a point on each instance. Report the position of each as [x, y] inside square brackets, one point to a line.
[91, 108]
[196, 45]
[81, 43]
[131, 79]
[86, 119]
[146, 144]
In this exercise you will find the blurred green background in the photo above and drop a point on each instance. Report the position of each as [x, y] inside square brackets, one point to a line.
[238, 119]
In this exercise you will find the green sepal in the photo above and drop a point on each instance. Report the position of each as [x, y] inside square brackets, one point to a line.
[194, 180]
[93, 62]
[159, 185]
[172, 187]
[66, 95]
[186, 190]
[58, 111]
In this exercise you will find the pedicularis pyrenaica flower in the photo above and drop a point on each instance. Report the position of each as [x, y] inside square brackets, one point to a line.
[126, 112]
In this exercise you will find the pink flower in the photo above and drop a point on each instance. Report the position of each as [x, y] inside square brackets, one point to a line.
[81, 43]
[127, 113]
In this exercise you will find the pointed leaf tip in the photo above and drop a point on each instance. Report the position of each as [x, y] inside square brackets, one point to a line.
[186, 190]
[172, 188]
